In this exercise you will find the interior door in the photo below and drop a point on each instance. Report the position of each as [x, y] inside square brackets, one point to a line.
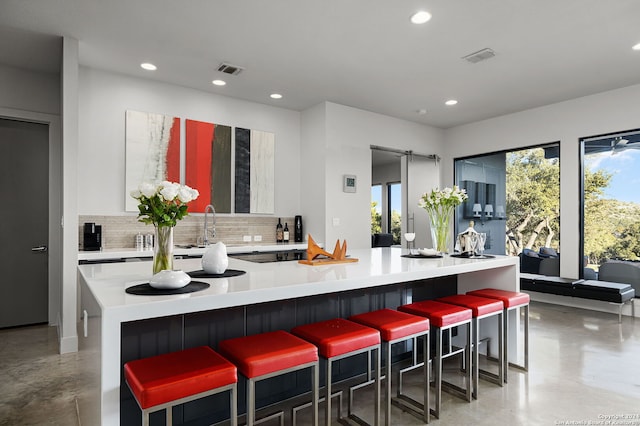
[421, 174]
[24, 222]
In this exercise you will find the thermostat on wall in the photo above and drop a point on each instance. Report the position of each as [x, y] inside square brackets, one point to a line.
[349, 183]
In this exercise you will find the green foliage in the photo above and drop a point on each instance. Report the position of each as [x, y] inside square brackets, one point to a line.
[396, 226]
[157, 211]
[376, 219]
[533, 200]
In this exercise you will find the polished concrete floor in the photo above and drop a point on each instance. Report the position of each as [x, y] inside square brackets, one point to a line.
[584, 369]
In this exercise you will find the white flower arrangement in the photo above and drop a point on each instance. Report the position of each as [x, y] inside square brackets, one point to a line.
[440, 205]
[163, 204]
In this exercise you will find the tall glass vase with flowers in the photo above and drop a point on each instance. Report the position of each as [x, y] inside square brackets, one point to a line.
[440, 205]
[163, 205]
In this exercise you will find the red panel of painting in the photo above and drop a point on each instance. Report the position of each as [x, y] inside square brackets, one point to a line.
[199, 138]
[173, 152]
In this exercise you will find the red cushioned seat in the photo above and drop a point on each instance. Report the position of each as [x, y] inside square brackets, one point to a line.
[393, 325]
[480, 306]
[338, 336]
[440, 314]
[266, 353]
[169, 377]
[511, 299]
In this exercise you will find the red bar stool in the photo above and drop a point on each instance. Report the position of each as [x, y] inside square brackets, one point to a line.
[266, 355]
[444, 317]
[512, 300]
[396, 327]
[163, 381]
[482, 307]
[340, 338]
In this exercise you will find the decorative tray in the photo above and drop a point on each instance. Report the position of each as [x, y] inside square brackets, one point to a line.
[225, 274]
[476, 256]
[146, 290]
[422, 256]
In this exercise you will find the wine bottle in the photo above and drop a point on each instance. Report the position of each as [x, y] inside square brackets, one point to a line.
[285, 234]
[279, 232]
[297, 229]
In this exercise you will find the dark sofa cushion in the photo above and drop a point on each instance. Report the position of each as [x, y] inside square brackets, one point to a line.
[604, 290]
[552, 285]
[529, 264]
[548, 252]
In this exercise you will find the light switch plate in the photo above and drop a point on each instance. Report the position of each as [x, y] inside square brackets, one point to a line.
[246, 238]
[336, 221]
[257, 238]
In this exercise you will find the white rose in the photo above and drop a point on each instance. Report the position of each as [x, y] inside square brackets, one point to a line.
[169, 190]
[147, 189]
[186, 194]
[194, 193]
[136, 193]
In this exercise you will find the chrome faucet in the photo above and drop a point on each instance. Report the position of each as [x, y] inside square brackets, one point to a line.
[205, 239]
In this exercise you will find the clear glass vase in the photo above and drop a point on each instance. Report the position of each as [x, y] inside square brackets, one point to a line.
[440, 221]
[163, 249]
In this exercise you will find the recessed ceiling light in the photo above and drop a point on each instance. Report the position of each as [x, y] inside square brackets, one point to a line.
[451, 102]
[420, 17]
[219, 82]
[636, 47]
[148, 66]
[276, 96]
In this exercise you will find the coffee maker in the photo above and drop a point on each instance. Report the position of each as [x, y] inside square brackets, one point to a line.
[92, 237]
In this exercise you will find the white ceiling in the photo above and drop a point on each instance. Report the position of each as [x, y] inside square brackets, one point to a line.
[361, 53]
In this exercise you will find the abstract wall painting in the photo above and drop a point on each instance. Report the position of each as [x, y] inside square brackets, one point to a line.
[208, 165]
[254, 171]
[152, 151]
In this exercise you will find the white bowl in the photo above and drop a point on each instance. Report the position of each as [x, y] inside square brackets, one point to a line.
[428, 252]
[168, 279]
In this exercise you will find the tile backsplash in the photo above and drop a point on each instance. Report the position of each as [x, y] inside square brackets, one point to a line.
[120, 231]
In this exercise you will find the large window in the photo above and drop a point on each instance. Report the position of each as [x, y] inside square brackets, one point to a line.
[376, 209]
[395, 211]
[611, 199]
[514, 197]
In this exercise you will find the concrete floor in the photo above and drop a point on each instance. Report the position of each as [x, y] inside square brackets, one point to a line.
[584, 369]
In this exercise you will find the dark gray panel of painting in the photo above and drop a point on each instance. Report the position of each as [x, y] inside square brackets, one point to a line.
[221, 169]
[243, 167]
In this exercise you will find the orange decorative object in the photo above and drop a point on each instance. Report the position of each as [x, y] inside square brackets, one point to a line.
[339, 254]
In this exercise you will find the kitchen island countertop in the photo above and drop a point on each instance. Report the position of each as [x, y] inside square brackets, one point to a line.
[105, 306]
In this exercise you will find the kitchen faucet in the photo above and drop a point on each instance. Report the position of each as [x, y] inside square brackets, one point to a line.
[205, 239]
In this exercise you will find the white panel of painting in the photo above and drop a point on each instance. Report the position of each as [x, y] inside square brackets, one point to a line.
[262, 172]
[147, 142]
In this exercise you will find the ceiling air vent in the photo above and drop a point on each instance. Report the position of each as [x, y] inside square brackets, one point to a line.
[480, 55]
[230, 69]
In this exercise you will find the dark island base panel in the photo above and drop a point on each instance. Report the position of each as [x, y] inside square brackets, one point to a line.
[141, 339]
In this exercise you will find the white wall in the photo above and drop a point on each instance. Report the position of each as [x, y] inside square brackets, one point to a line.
[29, 90]
[70, 178]
[104, 98]
[350, 134]
[312, 171]
[566, 122]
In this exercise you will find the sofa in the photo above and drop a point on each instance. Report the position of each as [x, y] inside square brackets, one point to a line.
[617, 282]
[619, 271]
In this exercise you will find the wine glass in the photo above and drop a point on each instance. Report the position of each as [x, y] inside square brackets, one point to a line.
[410, 236]
[482, 239]
[473, 244]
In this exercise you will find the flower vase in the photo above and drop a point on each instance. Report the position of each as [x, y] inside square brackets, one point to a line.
[439, 222]
[163, 249]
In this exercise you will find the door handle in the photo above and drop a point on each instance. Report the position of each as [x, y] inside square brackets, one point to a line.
[40, 249]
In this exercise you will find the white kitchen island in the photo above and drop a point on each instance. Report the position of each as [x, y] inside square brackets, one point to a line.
[105, 309]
